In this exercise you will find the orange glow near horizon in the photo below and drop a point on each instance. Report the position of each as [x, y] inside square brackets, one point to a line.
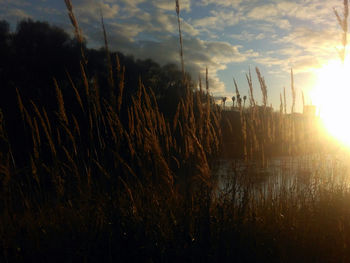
[331, 95]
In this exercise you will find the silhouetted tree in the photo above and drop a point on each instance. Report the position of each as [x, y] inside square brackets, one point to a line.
[244, 99]
[224, 101]
[37, 52]
[42, 52]
[5, 51]
[239, 100]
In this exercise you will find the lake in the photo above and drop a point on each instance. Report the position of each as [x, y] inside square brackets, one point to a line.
[283, 175]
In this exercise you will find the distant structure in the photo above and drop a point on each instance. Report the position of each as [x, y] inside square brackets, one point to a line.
[309, 111]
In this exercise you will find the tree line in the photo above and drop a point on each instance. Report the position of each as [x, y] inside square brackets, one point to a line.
[37, 53]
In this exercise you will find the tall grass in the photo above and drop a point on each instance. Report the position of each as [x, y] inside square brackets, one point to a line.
[117, 180]
[108, 161]
[258, 133]
[343, 23]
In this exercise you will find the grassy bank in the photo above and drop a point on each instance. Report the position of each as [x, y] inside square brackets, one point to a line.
[114, 178]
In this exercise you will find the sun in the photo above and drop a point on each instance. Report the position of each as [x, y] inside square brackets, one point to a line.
[331, 95]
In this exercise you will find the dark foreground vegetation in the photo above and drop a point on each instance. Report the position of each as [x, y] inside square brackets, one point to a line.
[104, 159]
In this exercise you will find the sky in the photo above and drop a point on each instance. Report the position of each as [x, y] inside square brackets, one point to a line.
[229, 37]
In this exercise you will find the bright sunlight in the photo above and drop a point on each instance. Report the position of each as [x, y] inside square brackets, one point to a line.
[331, 96]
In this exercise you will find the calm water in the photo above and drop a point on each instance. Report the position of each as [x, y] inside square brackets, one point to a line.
[284, 174]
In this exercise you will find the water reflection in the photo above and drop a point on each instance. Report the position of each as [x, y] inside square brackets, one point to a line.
[283, 176]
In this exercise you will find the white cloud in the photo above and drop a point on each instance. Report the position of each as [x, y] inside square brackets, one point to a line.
[225, 3]
[263, 12]
[90, 10]
[299, 62]
[128, 31]
[268, 13]
[315, 12]
[155, 21]
[270, 61]
[16, 13]
[49, 10]
[281, 11]
[167, 24]
[248, 36]
[218, 20]
[198, 54]
[14, 10]
[206, 22]
[15, 2]
[313, 41]
[185, 5]
[305, 64]
[130, 8]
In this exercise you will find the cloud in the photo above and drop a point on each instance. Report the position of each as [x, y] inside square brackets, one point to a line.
[313, 41]
[218, 20]
[270, 61]
[289, 51]
[224, 3]
[126, 34]
[281, 12]
[49, 11]
[130, 8]
[263, 12]
[21, 3]
[89, 10]
[269, 13]
[248, 36]
[303, 49]
[128, 31]
[14, 10]
[198, 54]
[305, 64]
[148, 29]
[16, 14]
[299, 61]
[313, 11]
[185, 5]
[165, 24]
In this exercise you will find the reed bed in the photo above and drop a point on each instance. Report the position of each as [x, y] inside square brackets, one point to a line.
[117, 180]
[258, 133]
